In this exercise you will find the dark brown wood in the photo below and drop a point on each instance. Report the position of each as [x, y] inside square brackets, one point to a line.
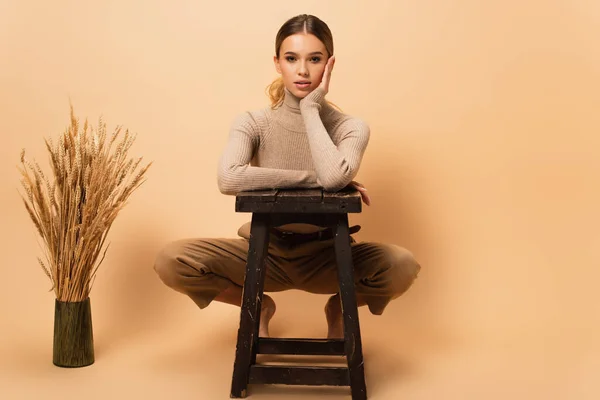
[293, 375]
[251, 304]
[346, 194]
[258, 195]
[312, 347]
[73, 334]
[300, 196]
[300, 208]
[353, 342]
[301, 201]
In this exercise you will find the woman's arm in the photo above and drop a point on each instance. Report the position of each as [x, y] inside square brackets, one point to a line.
[336, 166]
[235, 174]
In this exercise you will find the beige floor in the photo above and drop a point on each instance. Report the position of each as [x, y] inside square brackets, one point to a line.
[175, 351]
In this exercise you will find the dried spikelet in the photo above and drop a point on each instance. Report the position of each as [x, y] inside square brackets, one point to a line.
[74, 213]
[52, 195]
[27, 188]
[40, 172]
[33, 217]
[95, 144]
[46, 271]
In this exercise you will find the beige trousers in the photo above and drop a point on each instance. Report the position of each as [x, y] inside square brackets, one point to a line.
[203, 267]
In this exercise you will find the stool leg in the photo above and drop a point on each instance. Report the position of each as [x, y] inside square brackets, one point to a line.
[251, 304]
[353, 343]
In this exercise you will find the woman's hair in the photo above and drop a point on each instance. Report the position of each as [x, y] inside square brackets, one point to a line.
[303, 23]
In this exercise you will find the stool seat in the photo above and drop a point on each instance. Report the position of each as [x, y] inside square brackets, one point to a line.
[273, 208]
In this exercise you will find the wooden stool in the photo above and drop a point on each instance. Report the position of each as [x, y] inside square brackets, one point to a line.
[275, 208]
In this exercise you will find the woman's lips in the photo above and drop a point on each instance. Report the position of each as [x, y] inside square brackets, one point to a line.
[302, 85]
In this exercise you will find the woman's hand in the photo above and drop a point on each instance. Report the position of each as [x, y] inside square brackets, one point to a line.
[324, 85]
[363, 192]
[319, 93]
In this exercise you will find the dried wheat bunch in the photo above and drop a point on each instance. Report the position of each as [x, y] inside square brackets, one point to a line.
[93, 178]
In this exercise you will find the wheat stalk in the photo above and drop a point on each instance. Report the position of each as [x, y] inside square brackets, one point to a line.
[93, 178]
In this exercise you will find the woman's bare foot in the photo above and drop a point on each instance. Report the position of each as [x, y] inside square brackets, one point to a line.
[266, 313]
[233, 295]
[335, 321]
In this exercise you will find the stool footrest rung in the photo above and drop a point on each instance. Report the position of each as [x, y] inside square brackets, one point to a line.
[311, 347]
[294, 375]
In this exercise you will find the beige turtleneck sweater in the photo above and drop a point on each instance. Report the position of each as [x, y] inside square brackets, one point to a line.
[304, 143]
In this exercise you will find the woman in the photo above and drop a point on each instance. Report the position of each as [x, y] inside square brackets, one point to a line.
[301, 141]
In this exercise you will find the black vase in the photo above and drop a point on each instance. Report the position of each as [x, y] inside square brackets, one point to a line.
[73, 334]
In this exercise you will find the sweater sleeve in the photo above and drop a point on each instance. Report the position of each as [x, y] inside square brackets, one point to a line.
[235, 174]
[335, 166]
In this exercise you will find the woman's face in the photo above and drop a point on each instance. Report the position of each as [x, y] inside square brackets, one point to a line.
[301, 63]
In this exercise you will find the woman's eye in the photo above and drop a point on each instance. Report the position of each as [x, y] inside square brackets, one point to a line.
[315, 59]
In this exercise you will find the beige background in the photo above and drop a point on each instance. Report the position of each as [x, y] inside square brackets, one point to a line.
[483, 161]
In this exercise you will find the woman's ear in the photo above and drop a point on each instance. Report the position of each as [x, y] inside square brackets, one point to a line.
[277, 66]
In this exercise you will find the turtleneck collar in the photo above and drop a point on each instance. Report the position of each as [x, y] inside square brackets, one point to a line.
[291, 102]
[289, 116]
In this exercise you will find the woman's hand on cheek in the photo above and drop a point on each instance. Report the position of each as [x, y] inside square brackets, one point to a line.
[327, 75]
[318, 94]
